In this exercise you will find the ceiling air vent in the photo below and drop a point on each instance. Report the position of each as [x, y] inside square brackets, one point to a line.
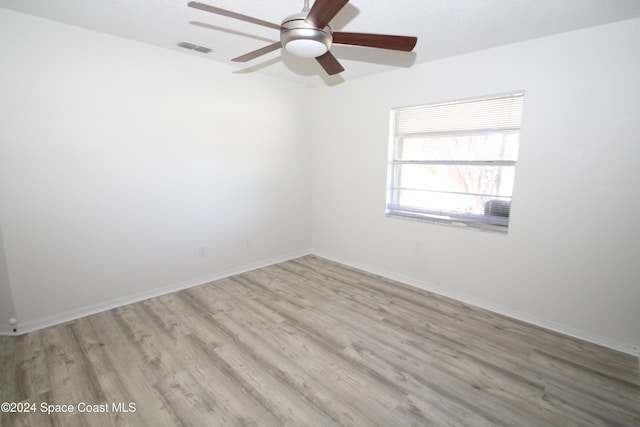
[194, 47]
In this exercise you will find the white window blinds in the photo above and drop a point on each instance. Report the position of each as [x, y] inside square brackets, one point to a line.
[455, 162]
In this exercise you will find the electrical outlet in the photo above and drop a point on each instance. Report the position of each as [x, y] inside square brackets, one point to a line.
[417, 248]
[203, 251]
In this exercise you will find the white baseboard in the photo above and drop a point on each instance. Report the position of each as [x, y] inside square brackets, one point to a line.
[67, 316]
[623, 347]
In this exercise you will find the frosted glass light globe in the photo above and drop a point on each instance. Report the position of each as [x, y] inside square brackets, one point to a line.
[306, 48]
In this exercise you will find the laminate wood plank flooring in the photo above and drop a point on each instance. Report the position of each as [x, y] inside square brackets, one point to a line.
[312, 342]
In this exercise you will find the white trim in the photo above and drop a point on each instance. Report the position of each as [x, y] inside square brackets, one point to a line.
[67, 316]
[628, 348]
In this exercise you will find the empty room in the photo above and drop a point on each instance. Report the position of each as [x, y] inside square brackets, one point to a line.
[323, 212]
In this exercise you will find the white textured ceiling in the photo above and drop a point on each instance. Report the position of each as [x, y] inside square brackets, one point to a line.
[444, 27]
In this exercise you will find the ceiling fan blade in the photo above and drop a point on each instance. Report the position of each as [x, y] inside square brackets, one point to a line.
[330, 63]
[217, 10]
[323, 11]
[258, 52]
[382, 41]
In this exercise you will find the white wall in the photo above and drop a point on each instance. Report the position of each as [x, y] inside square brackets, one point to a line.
[571, 258]
[119, 161]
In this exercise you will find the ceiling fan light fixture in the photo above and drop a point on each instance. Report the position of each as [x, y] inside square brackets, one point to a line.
[306, 48]
[303, 39]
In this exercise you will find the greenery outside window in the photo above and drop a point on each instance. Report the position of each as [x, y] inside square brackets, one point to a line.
[455, 162]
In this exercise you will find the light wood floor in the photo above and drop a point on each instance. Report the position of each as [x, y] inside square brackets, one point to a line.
[312, 342]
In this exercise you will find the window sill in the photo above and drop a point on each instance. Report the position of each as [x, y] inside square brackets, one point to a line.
[477, 226]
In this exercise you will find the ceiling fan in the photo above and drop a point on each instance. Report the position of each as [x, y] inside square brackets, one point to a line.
[307, 34]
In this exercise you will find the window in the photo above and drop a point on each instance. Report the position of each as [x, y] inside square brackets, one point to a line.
[455, 162]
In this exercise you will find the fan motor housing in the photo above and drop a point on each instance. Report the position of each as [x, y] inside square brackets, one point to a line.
[303, 39]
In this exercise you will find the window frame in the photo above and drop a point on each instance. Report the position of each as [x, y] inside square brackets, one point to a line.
[393, 208]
